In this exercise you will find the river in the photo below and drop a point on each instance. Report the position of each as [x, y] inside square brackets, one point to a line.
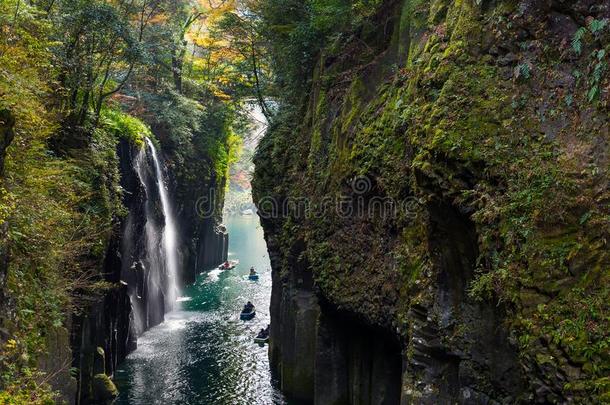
[203, 353]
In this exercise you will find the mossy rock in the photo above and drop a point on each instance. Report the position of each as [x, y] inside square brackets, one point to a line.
[104, 390]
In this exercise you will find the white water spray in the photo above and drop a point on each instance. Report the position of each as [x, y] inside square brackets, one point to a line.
[169, 241]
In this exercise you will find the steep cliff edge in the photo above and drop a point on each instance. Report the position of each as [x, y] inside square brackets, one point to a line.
[436, 208]
[198, 173]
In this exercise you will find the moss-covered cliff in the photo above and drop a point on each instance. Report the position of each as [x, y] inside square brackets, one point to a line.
[477, 134]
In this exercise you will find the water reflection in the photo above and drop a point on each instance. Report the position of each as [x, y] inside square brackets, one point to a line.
[203, 354]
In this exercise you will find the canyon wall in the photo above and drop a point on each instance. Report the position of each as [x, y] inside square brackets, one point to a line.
[134, 296]
[105, 330]
[436, 209]
[199, 192]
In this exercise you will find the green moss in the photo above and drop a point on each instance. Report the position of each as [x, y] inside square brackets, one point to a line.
[104, 389]
[316, 143]
[125, 126]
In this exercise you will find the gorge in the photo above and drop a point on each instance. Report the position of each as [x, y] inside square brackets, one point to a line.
[421, 189]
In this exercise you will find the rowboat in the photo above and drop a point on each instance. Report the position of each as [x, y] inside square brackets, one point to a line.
[231, 266]
[261, 340]
[246, 316]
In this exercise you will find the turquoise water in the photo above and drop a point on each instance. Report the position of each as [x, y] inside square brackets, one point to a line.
[203, 353]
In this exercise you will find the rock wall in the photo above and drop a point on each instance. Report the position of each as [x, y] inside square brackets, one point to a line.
[132, 301]
[327, 356]
[104, 335]
[453, 159]
[208, 247]
[200, 204]
[56, 363]
[104, 332]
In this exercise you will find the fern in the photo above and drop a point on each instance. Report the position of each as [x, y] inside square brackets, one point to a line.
[593, 93]
[598, 71]
[597, 75]
[577, 40]
[524, 71]
[600, 54]
[596, 26]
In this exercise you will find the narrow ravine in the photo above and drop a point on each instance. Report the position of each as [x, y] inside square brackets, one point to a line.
[203, 353]
[423, 188]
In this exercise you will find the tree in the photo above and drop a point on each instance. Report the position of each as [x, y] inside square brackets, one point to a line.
[240, 30]
[102, 44]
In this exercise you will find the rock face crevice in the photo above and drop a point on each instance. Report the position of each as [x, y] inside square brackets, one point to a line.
[458, 345]
[7, 134]
[209, 245]
[355, 363]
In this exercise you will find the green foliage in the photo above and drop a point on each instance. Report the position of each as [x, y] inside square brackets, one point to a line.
[577, 40]
[25, 390]
[329, 16]
[37, 216]
[578, 325]
[24, 62]
[524, 71]
[600, 66]
[126, 126]
[594, 34]
[60, 199]
[62, 216]
[98, 44]
[216, 139]
[175, 118]
[596, 26]
[297, 31]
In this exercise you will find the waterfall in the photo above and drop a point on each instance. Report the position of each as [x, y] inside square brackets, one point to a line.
[169, 242]
[149, 244]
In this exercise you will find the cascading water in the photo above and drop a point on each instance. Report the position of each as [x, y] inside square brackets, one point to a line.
[149, 246]
[169, 243]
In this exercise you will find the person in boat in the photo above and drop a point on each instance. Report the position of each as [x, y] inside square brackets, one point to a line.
[249, 307]
[252, 271]
[227, 264]
[263, 334]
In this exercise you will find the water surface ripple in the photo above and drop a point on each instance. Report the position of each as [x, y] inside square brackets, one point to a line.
[203, 353]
